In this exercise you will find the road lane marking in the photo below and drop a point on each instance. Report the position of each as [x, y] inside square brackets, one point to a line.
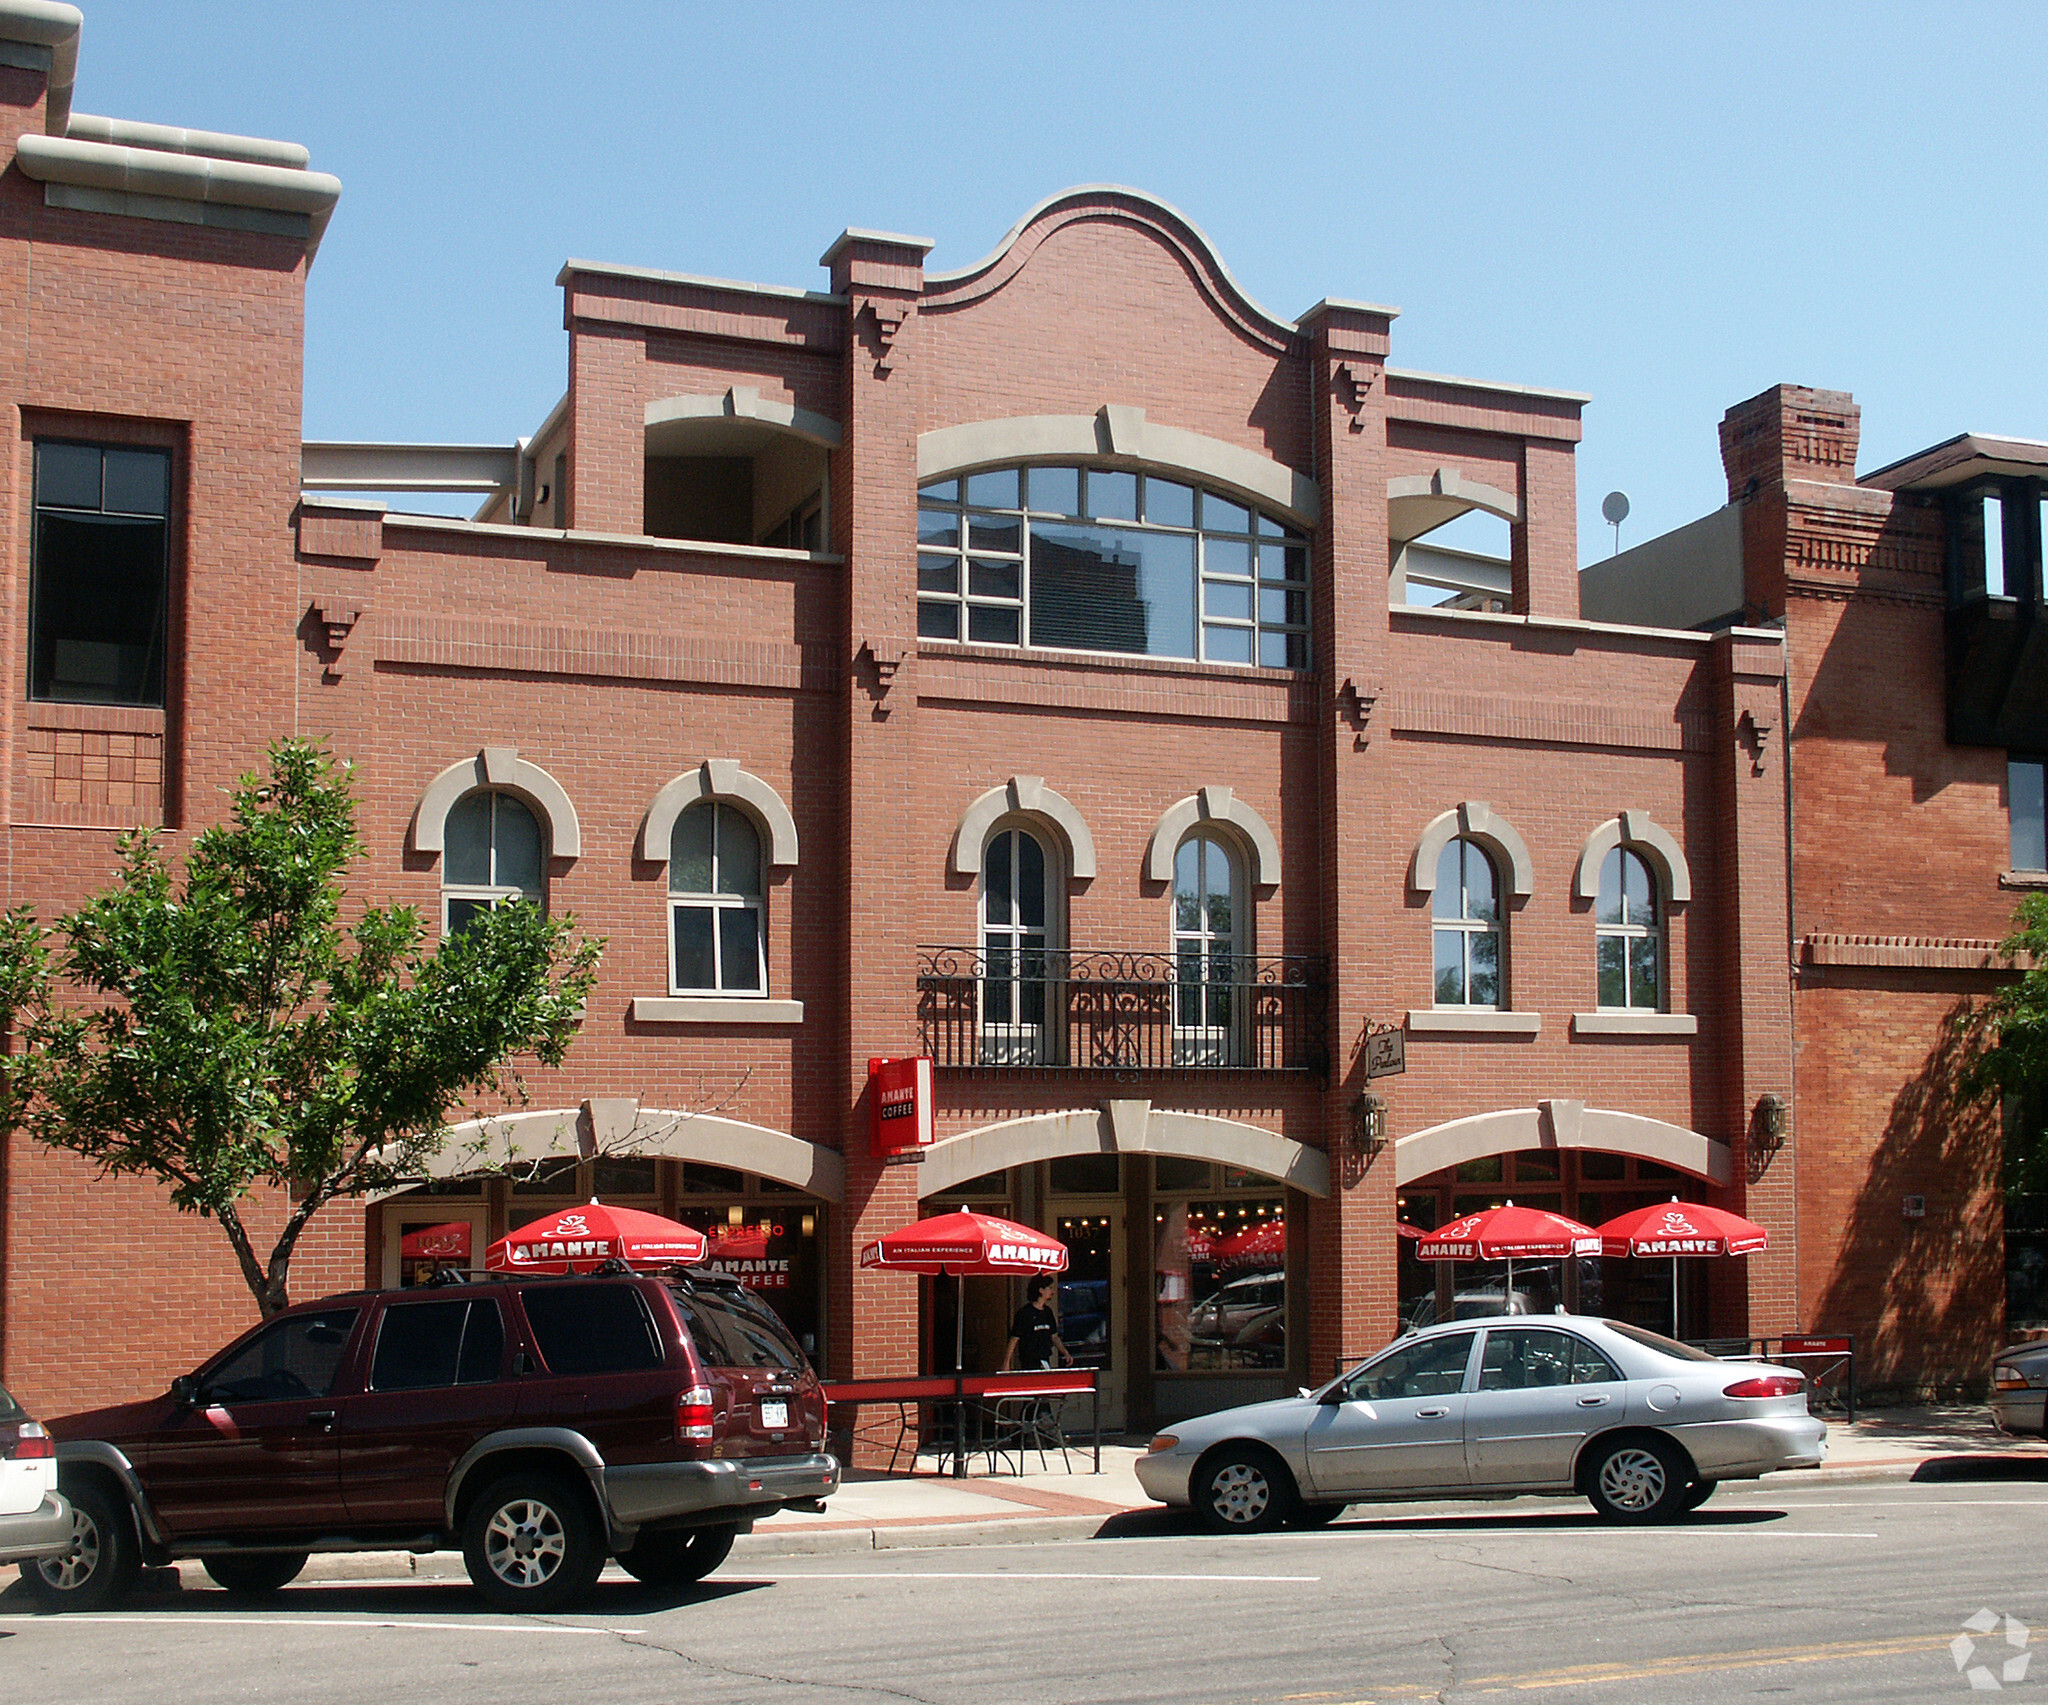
[1705, 1663]
[284, 1619]
[1006, 1575]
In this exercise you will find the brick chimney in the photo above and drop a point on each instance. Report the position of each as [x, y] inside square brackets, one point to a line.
[1789, 432]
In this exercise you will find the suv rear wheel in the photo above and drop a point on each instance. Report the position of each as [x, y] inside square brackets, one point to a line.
[531, 1543]
[669, 1560]
[104, 1559]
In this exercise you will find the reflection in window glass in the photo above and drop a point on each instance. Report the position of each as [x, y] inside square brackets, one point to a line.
[1628, 939]
[493, 852]
[99, 574]
[1220, 1278]
[715, 910]
[1467, 927]
[1023, 557]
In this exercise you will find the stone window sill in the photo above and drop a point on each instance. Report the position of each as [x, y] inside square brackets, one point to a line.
[2027, 879]
[714, 1009]
[1635, 1024]
[1471, 1021]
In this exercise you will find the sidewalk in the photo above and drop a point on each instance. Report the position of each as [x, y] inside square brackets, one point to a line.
[880, 1512]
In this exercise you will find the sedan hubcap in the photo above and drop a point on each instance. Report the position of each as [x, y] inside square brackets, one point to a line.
[524, 1543]
[1240, 1493]
[1632, 1480]
[76, 1566]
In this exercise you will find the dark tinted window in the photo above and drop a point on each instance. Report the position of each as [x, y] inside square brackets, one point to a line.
[99, 577]
[298, 1357]
[1657, 1341]
[9, 1409]
[591, 1328]
[1518, 1357]
[732, 1329]
[422, 1344]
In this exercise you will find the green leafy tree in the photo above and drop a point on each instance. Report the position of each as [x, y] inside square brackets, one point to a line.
[2004, 1050]
[233, 1034]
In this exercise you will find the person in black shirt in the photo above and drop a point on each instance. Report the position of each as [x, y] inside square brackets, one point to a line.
[1035, 1331]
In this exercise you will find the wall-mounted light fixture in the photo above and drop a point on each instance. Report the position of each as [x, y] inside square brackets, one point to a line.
[1369, 1125]
[1773, 1115]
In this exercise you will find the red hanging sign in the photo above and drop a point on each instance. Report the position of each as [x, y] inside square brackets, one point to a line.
[900, 1108]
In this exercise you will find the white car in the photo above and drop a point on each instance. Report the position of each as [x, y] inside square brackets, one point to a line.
[35, 1521]
[1641, 1425]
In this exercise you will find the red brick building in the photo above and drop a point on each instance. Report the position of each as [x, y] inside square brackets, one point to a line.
[1019, 665]
[1913, 729]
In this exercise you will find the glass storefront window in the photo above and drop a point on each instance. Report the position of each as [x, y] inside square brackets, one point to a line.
[1220, 1283]
[1084, 1175]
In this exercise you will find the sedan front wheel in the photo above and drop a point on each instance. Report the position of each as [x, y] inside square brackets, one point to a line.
[1243, 1491]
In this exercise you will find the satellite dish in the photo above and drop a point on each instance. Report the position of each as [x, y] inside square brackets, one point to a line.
[1614, 507]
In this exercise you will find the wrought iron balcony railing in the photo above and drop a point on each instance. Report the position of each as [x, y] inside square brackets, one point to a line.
[1104, 1011]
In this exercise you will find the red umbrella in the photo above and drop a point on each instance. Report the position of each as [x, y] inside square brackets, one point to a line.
[1403, 1229]
[1505, 1233]
[583, 1239]
[1678, 1228]
[962, 1243]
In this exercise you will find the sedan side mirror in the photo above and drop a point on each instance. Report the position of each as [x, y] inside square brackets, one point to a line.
[185, 1388]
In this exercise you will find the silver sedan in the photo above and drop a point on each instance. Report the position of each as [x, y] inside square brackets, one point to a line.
[2019, 1389]
[1643, 1426]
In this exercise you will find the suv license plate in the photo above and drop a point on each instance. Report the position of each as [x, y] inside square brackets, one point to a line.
[774, 1415]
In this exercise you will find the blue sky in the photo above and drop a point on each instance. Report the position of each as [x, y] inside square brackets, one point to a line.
[1668, 206]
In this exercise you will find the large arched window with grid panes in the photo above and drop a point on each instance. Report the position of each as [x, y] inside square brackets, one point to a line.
[1018, 925]
[1629, 934]
[1209, 948]
[1470, 965]
[717, 938]
[1103, 559]
[494, 851]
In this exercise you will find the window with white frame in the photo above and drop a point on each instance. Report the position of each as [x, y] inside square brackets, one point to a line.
[1099, 559]
[1016, 919]
[1207, 941]
[1467, 927]
[717, 941]
[494, 851]
[1629, 934]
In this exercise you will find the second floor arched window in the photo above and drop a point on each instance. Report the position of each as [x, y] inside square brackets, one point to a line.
[1016, 920]
[1629, 934]
[717, 942]
[1467, 927]
[1208, 939]
[494, 852]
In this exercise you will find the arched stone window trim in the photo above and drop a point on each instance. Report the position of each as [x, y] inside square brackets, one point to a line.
[1477, 821]
[1026, 796]
[1560, 1124]
[1214, 805]
[499, 767]
[1122, 1127]
[720, 778]
[1120, 436]
[745, 403]
[1637, 830]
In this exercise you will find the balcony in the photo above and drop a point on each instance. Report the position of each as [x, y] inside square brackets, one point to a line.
[1066, 1010]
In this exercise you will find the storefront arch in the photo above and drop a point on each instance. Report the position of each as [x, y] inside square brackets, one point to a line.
[620, 1125]
[1122, 1127]
[1560, 1124]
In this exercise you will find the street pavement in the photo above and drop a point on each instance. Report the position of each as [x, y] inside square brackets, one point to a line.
[1827, 1588]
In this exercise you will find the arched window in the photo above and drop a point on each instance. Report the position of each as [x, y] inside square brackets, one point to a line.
[493, 851]
[1016, 920]
[1466, 906]
[1102, 559]
[1629, 933]
[1208, 943]
[716, 941]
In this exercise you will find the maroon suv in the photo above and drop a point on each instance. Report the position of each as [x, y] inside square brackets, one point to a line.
[542, 1424]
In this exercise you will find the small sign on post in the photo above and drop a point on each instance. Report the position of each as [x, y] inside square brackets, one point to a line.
[900, 1109]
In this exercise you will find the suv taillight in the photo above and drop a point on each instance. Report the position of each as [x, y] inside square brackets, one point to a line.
[30, 1443]
[1767, 1385]
[695, 1412]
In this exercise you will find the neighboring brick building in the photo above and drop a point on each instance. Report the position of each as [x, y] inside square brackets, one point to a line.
[1009, 665]
[1914, 728]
